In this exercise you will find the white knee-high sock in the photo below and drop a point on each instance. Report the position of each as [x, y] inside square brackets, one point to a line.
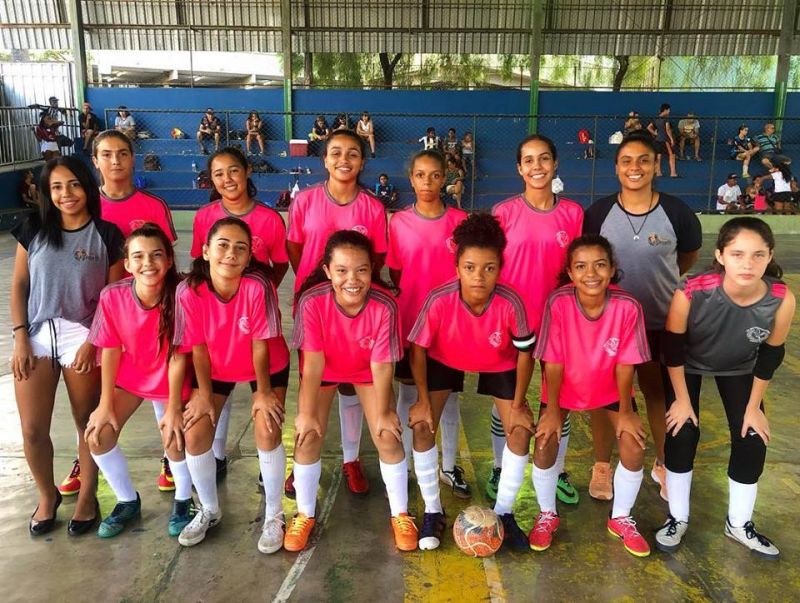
[498, 438]
[183, 479]
[741, 502]
[626, 489]
[221, 432]
[448, 426]
[427, 470]
[679, 486]
[203, 469]
[510, 481]
[351, 419]
[406, 396]
[114, 466]
[273, 471]
[545, 482]
[306, 484]
[395, 478]
[566, 428]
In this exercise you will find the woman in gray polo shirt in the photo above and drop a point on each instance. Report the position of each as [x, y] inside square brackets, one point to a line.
[65, 256]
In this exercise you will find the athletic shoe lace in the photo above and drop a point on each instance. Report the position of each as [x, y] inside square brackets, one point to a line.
[298, 525]
[76, 469]
[750, 531]
[405, 524]
[544, 523]
[458, 475]
[165, 467]
[672, 526]
[627, 525]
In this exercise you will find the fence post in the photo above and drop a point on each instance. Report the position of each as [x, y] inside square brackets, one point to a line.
[713, 162]
[594, 160]
[474, 162]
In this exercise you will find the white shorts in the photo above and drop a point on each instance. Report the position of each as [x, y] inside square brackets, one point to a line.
[48, 145]
[60, 340]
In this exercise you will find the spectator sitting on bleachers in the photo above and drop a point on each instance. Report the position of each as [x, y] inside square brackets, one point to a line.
[51, 115]
[319, 133]
[632, 124]
[454, 180]
[468, 151]
[770, 147]
[451, 144]
[340, 122]
[386, 192]
[366, 130]
[253, 127]
[728, 195]
[782, 199]
[47, 135]
[742, 149]
[430, 140]
[210, 127]
[90, 127]
[125, 123]
[689, 129]
[28, 192]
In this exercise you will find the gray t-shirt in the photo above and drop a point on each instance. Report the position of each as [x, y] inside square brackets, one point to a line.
[66, 282]
[647, 248]
[722, 338]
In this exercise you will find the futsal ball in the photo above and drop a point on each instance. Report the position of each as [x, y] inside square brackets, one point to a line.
[478, 531]
[177, 133]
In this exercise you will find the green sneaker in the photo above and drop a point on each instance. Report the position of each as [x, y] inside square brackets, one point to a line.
[123, 513]
[182, 513]
[493, 483]
[565, 491]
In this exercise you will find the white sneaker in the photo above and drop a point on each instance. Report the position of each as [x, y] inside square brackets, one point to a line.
[195, 531]
[669, 536]
[272, 534]
[747, 535]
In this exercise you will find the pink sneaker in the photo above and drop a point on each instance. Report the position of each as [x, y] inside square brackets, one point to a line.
[632, 540]
[541, 536]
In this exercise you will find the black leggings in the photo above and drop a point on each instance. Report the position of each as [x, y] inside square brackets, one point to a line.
[746, 462]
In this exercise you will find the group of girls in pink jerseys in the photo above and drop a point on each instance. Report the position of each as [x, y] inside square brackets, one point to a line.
[486, 293]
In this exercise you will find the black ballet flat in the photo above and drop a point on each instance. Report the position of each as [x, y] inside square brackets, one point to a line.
[38, 528]
[78, 527]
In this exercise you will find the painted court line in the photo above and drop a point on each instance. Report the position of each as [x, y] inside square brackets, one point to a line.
[304, 556]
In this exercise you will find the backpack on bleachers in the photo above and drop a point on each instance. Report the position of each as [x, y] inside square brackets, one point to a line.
[152, 163]
[203, 180]
[261, 166]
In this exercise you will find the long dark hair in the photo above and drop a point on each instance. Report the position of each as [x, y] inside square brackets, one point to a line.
[49, 214]
[344, 238]
[784, 170]
[641, 136]
[237, 154]
[200, 270]
[482, 230]
[430, 154]
[589, 240]
[733, 227]
[347, 134]
[166, 321]
[550, 145]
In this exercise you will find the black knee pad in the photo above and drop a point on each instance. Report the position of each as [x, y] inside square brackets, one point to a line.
[680, 450]
[748, 455]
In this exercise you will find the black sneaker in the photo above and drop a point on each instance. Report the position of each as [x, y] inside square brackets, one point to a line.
[433, 526]
[222, 468]
[455, 479]
[513, 537]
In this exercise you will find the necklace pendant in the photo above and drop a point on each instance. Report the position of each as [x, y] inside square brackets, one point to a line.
[635, 237]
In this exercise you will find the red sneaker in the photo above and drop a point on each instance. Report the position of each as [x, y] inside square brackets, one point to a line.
[541, 536]
[632, 540]
[165, 481]
[356, 480]
[288, 486]
[72, 483]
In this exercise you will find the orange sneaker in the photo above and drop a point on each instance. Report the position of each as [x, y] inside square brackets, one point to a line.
[165, 481]
[659, 475]
[600, 486]
[72, 483]
[297, 532]
[405, 532]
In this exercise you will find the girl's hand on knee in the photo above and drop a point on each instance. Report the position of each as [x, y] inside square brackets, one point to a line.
[390, 422]
[677, 415]
[756, 421]
[304, 426]
[199, 406]
[171, 427]
[629, 422]
[521, 418]
[420, 412]
[270, 408]
[102, 416]
[549, 426]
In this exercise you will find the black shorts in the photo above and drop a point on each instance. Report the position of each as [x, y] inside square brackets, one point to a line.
[501, 385]
[654, 342]
[614, 406]
[224, 388]
[663, 147]
[402, 370]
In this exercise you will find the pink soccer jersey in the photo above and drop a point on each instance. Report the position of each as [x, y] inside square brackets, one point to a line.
[121, 321]
[466, 341]
[537, 248]
[133, 211]
[266, 225]
[350, 343]
[229, 327]
[314, 215]
[591, 348]
[423, 248]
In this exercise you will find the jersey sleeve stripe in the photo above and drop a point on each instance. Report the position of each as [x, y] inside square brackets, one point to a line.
[519, 308]
[305, 299]
[440, 291]
[167, 212]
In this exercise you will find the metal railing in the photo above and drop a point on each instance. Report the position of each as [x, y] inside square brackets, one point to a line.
[18, 142]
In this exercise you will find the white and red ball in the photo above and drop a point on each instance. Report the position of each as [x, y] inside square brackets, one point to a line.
[478, 531]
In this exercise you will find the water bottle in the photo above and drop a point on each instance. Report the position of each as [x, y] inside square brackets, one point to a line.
[194, 166]
[194, 182]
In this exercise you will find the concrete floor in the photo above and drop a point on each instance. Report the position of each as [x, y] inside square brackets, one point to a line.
[355, 560]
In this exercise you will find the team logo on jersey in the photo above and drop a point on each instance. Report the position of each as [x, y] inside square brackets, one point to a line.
[360, 228]
[611, 346]
[496, 339]
[366, 343]
[257, 245]
[82, 255]
[756, 334]
[450, 243]
[654, 239]
[562, 238]
[244, 325]
[134, 224]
